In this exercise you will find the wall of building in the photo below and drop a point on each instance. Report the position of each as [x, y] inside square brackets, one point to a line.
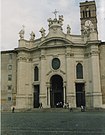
[102, 69]
[21, 67]
[8, 79]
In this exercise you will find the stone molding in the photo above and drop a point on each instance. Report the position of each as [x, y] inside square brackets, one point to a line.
[24, 59]
[68, 55]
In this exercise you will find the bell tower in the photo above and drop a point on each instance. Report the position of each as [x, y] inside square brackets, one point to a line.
[88, 13]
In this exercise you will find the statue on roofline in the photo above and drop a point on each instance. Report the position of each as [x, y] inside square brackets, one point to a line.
[21, 33]
[32, 35]
[50, 21]
[61, 20]
[68, 29]
[42, 31]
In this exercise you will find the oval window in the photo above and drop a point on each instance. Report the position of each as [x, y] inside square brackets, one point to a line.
[55, 63]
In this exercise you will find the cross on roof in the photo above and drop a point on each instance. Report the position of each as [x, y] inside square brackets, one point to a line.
[55, 12]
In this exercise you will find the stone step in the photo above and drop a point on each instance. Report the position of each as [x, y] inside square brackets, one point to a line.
[53, 110]
[78, 109]
[48, 110]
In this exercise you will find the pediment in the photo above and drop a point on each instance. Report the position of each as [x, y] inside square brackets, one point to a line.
[55, 41]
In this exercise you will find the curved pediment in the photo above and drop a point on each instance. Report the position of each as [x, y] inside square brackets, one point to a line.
[55, 41]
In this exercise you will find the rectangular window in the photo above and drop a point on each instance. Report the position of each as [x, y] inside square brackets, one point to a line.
[9, 98]
[9, 77]
[9, 67]
[10, 87]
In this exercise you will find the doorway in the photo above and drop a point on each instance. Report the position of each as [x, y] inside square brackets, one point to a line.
[80, 94]
[36, 96]
[56, 93]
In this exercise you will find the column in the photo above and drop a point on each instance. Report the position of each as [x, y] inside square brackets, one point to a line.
[64, 93]
[48, 96]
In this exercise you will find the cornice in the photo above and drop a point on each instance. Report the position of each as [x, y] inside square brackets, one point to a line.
[94, 42]
[22, 49]
[66, 41]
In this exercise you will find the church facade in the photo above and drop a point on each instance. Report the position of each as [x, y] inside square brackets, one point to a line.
[58, 67]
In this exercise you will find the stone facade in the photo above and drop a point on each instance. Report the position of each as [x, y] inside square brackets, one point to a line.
[102, 69]
[58, 67]
[8, 79]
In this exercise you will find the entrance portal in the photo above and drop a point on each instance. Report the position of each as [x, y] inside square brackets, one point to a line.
[56, 93]
[80, 94]
[36, 96]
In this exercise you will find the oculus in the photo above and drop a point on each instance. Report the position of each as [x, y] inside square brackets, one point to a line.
[55, 63]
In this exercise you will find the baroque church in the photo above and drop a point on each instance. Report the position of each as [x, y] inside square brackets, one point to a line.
[57, 67]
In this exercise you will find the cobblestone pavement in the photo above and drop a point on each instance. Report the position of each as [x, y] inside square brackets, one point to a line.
[53, 123]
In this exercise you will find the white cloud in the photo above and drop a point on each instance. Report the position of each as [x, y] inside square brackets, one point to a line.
[34, 14]
[64, 3]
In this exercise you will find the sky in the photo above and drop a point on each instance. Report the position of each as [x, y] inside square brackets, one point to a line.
[33, 14]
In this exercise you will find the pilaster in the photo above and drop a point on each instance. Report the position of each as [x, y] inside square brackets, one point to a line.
[43, 88]
[70, 71]
[96, 82]
[24, 87]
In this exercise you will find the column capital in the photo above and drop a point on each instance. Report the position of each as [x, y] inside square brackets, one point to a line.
[94, 53]
[64, 84]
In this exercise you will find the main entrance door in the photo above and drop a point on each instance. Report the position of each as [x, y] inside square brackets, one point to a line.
[80, 94]
[56, 93]
[36, 96]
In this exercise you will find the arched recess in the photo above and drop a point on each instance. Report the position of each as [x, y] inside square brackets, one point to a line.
[79, 71]
[36, 73]
[56, 93]
[36, 88]
[80, 86]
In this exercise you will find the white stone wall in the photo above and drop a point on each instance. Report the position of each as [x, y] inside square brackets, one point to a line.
[102, 70]
[69, 58]
[24, 81]
[8, 58]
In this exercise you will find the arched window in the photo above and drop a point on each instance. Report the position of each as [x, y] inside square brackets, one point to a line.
[36, 74]
[83, 14]
[79, 71]
[88, 13]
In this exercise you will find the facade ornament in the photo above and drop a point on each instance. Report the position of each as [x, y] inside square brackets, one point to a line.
[32, 35]
[50, 21]
[42, 31]
[61, 19]
[56, 22]
[68, 29]
[55, 13]
[21, 33]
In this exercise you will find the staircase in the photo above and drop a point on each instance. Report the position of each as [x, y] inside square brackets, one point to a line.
[48, 110]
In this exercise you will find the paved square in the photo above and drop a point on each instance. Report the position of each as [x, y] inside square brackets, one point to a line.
[53, 123]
